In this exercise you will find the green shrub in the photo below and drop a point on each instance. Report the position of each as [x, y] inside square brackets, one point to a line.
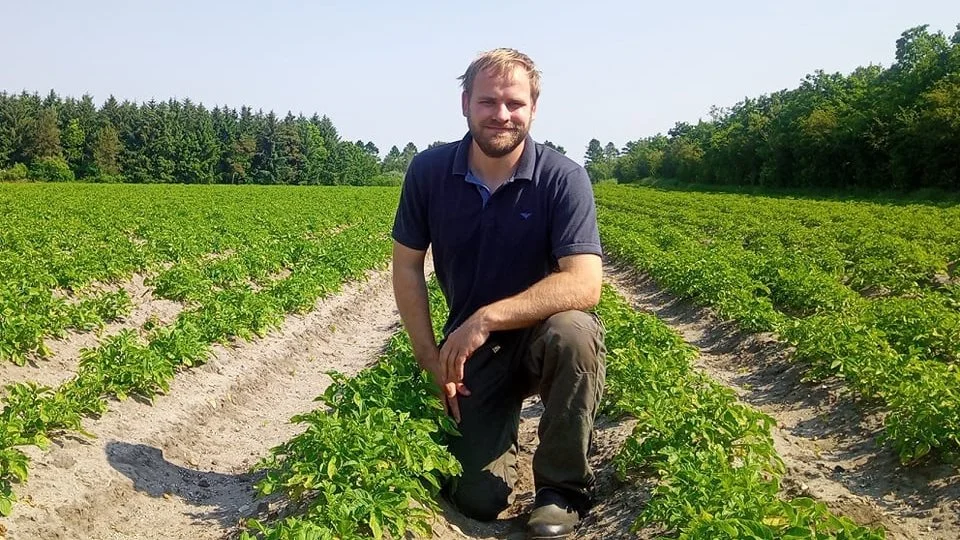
[52, 169]
[392, 178]
[17, 172]
[107, 179]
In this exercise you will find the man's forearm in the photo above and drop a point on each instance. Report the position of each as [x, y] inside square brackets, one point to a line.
[560, 291]
[410, 289]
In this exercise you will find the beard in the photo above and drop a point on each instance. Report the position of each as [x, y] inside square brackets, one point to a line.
[498, 143]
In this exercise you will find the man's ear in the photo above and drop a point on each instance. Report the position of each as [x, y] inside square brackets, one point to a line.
[465, 103]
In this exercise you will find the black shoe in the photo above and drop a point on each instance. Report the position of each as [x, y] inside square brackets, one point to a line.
[553, 517]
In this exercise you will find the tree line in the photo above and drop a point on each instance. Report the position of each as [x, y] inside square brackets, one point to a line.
[893, 128]
[63, 139]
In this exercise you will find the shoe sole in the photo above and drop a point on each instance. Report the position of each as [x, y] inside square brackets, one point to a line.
[551, 537]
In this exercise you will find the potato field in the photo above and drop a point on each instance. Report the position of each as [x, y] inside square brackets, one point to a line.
[227, 362]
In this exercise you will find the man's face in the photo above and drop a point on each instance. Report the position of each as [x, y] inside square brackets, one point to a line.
[499, 111]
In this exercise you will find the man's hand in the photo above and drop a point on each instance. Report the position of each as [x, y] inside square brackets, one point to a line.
[460, 345]
[431, 363]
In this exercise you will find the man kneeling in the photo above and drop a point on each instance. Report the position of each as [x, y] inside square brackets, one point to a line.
[516, 249]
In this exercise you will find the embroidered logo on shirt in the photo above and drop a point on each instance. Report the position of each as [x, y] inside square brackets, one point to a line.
[525, 215]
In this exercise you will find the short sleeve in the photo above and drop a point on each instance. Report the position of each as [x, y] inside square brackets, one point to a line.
[410, 226]
[574, 226]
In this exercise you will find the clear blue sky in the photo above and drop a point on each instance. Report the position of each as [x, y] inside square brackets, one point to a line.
[386, 71]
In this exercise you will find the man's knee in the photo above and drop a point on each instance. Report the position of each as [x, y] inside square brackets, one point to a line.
[481, 498]
[579, 333]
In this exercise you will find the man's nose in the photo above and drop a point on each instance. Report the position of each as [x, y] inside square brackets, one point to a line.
[503, 113]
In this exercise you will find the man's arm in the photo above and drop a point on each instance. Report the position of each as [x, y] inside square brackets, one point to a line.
[410, 290]
[576, 286]
[413, 302]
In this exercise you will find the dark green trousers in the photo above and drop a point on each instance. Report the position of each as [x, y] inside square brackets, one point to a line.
[562, 359]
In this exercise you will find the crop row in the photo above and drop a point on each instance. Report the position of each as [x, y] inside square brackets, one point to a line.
[857, 301]
[371, 461]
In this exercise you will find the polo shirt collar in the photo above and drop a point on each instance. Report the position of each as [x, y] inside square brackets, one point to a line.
[524, 166]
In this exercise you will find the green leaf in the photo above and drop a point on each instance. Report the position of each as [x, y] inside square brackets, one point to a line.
[375, 526]
[6, 505]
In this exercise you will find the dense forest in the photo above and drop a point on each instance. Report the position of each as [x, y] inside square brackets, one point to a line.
[62, 139]
[65, 139]
[894, 128]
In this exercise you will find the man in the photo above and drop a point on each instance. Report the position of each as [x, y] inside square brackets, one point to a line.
[516, 250]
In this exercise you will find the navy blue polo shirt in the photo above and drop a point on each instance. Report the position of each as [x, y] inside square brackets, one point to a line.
[487, 247]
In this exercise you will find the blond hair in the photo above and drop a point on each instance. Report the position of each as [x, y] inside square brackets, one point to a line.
[501, 62]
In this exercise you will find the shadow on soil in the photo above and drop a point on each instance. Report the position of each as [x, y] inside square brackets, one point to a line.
[227, 497]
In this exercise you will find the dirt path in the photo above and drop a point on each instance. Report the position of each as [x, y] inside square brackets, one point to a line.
[177, 469]
[827, 442]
